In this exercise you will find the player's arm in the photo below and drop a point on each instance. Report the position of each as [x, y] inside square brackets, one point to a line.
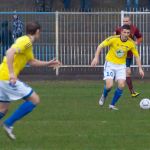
[138, 36]
[10, 59]
[95, 61]
[38, 63]
[138, 61]
[105, 43]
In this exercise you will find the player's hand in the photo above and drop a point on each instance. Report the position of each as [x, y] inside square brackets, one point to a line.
[54, 63]
[12, 79]
[94, 62]
[141, 72]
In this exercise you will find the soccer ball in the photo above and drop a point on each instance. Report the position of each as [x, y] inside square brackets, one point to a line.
[145, 103]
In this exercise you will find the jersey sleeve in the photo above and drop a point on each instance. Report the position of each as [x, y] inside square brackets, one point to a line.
[135, 51]
[106, 42]
[21, 45]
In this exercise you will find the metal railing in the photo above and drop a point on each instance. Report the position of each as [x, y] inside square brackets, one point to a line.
[72, 37]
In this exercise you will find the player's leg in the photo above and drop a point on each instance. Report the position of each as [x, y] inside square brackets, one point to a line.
[108, 77]
[129, 79]
[107, 88]
[25, 108]
[3, 109]
[117, 94]
[4, 104]
[22, 91]
[120, 78]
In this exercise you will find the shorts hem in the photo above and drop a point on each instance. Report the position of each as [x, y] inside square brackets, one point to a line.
[28, 95]
[4, 101]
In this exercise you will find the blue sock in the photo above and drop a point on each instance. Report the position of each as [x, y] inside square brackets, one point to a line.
[116, 97]
[23, 110]
[106, 91]
[1, 115]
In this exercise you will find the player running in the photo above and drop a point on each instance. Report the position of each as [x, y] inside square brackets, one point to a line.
[137, 37]
[11, 88]
[115, 64]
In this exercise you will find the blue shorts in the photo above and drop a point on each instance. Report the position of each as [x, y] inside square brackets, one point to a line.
[129, 62]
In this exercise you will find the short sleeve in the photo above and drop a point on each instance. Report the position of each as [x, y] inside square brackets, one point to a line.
[106, 42]
[21, 45]
[135, 51]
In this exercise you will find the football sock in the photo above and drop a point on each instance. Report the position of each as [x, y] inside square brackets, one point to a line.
[116, 97]
[129, 83]
[23, 110]
[106, 91]
[1, 115]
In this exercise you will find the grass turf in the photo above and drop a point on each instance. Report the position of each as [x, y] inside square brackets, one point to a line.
[69, 118]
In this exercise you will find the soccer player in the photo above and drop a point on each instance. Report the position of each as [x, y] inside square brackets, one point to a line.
[137, 37]
[115, 65]
[11, 88]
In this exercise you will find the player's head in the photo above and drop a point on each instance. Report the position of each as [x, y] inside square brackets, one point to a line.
[125, 31]
[33, 29]
[127, 20]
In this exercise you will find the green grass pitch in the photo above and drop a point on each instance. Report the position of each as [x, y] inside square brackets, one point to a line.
[69, 118]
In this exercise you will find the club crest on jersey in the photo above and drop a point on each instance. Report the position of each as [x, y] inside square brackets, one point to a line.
[119, 53]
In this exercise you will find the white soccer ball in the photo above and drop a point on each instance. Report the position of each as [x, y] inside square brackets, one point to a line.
[145, 103]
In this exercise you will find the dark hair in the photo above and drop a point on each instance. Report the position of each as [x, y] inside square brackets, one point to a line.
[32, 27]
[125, 26]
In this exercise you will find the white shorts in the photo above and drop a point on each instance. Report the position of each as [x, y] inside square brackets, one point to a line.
[14, 92]
[114, 71]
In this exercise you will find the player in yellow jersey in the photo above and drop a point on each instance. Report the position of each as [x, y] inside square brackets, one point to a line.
[115, 65]
[11, 89]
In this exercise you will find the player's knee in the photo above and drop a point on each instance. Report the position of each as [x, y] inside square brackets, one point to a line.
[121, 85]
[109, 86]
[128, 72]
[37, 99]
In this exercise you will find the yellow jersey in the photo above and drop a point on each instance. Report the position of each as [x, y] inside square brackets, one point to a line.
[23, 54]
[118, 49]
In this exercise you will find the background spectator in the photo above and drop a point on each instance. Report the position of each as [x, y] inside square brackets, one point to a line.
[85, 5]
[67, 4]
[44, 5]
[5, 37]
[129, 5]
[17, 27]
